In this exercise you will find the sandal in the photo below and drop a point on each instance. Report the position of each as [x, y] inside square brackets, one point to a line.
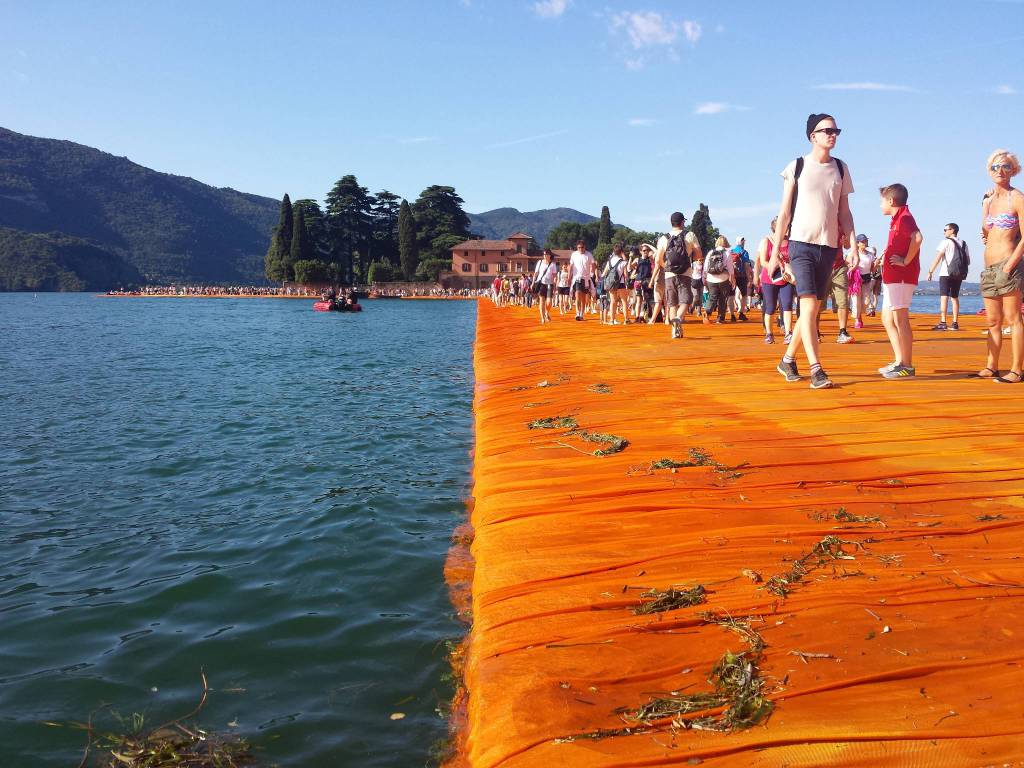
[1004, 380]
[991, 374]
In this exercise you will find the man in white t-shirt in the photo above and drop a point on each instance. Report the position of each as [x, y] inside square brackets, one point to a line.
[676, 263]
[949, 287]
[581, 274]
[815, 212]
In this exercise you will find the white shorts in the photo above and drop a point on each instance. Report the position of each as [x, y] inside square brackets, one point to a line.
[897, 295]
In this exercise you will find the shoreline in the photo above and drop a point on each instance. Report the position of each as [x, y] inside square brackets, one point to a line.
[866, 653]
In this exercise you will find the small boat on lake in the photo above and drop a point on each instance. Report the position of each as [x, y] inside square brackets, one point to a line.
[332, 305]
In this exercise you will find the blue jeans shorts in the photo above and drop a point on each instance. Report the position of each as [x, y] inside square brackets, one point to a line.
[812, 268]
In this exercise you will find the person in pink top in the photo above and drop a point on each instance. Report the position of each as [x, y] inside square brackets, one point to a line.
[775, 293]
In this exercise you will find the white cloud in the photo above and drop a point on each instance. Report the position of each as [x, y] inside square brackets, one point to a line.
[650, 28]
[1006, 90]
[635, 65]
[717, 108]
[862, 87]
[550, 9]
[641, 122]
[528, 139]
[417, 140]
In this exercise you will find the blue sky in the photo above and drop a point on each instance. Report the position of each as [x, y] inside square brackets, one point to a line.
[645, 106]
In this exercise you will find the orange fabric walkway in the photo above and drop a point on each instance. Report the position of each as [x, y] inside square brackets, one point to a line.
[909, 653]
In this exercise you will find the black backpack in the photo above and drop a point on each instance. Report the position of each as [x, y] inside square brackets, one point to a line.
[676, 256]
[960, 262]
[644, 269]
[716, 262]
[796, 181]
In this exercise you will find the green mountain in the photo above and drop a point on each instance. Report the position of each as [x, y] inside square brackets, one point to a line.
[168, 228]
[57, 262]
[502, 222]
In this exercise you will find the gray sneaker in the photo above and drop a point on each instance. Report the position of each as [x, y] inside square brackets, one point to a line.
[890, 367]
[820, 380]
[900, 372]
[788, 370]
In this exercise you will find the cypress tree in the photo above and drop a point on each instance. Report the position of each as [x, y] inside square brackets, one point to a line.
[280, 244]
[301, 246]
[702, 228]
[408, 253]
[604, 230]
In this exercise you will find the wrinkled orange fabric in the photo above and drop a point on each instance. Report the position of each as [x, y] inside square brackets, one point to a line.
[922, 629]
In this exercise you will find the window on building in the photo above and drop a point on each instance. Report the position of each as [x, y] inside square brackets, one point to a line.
[519, 266]
[483, 267]
[503, 267]
[465, 254]
[519, 249]
[467, 267]
[503, 254]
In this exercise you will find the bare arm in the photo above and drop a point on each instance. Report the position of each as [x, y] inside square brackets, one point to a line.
[935, 264]
[762, 253]
[846, 221]
[915, 247]
[1018, 252]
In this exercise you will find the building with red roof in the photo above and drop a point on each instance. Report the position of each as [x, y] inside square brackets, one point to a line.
[475, 263]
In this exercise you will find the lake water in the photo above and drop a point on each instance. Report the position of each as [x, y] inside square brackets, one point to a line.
[244, 487]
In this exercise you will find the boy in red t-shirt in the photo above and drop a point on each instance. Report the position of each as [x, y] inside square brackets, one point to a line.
[900, 271]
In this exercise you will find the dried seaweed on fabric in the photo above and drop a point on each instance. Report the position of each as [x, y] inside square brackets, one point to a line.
[659, 601]
[829, 548]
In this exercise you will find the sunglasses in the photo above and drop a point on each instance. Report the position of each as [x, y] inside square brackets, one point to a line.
[829, 131]
[996, 167]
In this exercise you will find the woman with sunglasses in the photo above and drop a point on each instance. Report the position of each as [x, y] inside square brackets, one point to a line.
[1002, 230]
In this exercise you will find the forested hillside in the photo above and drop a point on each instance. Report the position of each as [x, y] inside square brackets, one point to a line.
[171, 228]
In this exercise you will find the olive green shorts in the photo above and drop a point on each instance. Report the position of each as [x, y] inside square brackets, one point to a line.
[995, 282]
[839, 288]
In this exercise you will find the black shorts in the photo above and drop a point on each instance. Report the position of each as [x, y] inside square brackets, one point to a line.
[541, 290]
[581, 286]
[950, 286]
[563, 290]
[743, 286]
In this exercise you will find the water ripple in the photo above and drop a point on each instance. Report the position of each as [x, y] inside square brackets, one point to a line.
[237, 486]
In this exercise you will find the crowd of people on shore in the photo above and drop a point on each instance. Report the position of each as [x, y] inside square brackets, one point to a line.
[218, 290]
[812, 255]
[435, 292]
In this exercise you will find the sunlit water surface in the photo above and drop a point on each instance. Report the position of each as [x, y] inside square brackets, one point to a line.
[241, 487]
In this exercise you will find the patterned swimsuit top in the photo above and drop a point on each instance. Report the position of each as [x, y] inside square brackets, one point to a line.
[1001, 221]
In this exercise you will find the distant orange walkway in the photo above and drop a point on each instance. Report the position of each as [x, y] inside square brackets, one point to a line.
[908, 654]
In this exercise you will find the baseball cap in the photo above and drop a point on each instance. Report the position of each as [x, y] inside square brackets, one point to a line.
[862, 238]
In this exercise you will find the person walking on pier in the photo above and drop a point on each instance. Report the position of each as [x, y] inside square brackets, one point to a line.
[952, 259]
[815, 208]
[544, 278]
[675, 258]
[581, 274]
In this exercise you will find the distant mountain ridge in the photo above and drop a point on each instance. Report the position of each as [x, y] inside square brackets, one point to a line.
[169, 228]
[502, 222]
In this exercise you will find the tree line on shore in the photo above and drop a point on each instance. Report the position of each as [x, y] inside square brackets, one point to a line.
[602, 234]
[363, 237]
[358, 237]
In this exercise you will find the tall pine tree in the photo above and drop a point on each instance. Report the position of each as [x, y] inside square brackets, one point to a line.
[440, 222]
[384, 227]
[604, 231]
[408, 250]
[703, 229]
[280, 244]
[348, 222]
[302, 246]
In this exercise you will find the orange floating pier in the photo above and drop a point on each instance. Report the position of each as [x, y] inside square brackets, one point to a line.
[859, 551]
